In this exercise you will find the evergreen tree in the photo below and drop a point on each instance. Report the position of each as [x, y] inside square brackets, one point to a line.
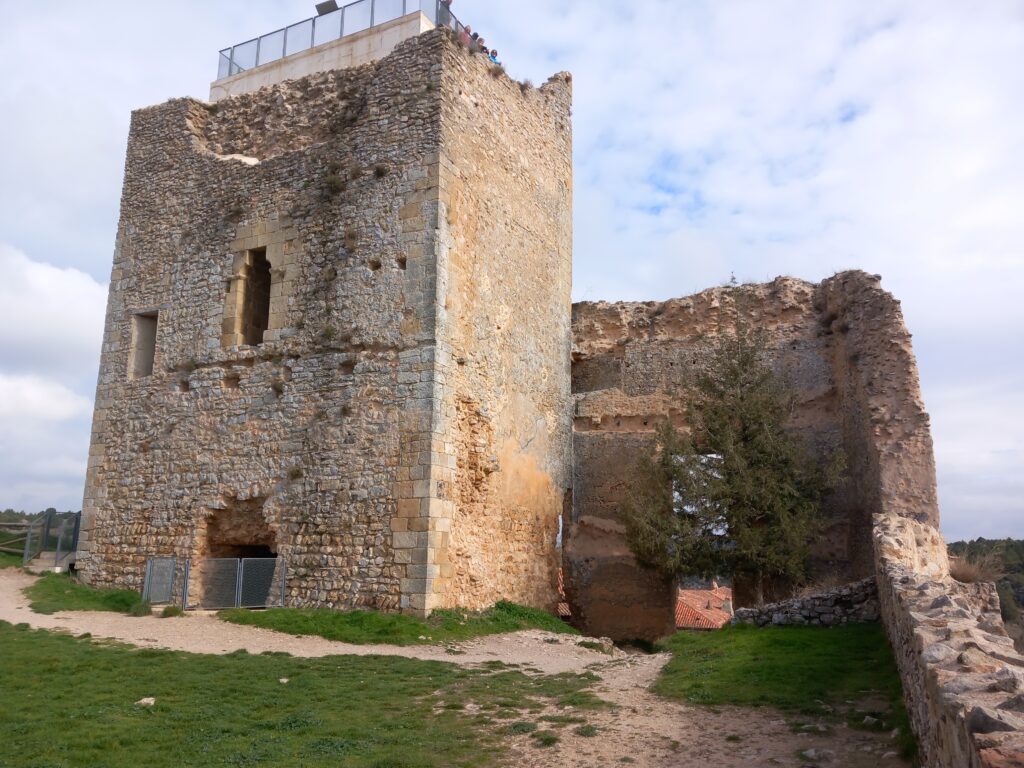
[739, 494]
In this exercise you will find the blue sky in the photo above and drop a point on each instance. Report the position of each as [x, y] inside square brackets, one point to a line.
[755, 137]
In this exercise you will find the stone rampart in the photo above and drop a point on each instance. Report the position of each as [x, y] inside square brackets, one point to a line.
[505, 255]
[962, 679]
[850, 604]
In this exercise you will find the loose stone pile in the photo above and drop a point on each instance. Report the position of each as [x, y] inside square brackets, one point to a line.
[850, 604]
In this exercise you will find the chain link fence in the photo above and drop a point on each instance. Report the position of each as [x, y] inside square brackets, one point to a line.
[214, 584]
[158, 587]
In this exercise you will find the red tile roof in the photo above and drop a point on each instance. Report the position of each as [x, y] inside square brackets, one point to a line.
[703, 608]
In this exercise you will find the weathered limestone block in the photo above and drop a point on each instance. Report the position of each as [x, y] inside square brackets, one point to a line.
[608, 589]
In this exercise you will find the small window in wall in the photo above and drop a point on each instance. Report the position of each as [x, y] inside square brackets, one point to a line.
[143, 349]
[256, 298]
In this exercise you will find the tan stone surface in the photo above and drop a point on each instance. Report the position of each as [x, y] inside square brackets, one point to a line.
[962, 677]
[342, 430]
[506, 250]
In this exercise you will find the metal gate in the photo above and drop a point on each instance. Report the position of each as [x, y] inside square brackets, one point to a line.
[218, 583]
[158, 588]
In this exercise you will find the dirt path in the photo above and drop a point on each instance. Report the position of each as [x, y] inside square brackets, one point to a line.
[642, 730]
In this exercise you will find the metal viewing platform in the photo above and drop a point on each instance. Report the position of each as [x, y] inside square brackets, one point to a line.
[334, 23]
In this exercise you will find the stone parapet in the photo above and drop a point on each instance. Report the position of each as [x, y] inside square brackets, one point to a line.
[850, 604]
[962, 679]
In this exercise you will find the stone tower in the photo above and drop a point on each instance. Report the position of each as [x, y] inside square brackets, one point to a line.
[338, 333]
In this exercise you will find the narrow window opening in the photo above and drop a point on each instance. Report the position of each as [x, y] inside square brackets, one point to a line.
[143, 348]
[256, 305]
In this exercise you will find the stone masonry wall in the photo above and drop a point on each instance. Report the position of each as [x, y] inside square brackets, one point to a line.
[850, 604]
[506, 261]
[841, 344]
[330, 432]
[962, 678]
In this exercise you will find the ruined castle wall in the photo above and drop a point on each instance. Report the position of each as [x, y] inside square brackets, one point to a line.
[504, 311]
[317, 428]
[841, 344]
[886, 429]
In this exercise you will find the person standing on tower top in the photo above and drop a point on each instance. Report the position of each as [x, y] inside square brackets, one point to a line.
[444, 13]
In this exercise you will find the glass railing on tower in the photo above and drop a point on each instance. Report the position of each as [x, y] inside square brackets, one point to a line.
[347, 20]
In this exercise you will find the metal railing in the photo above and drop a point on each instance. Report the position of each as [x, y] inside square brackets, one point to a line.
[13, 536]
[158, 586]
[347, 20]
[67, 538]
[55, 532]
[35, 537]
[218, 583]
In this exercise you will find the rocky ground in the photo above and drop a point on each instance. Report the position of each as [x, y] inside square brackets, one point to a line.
[641, 729]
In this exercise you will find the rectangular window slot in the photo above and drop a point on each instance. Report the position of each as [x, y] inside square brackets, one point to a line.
[143, 348]
[256, 298]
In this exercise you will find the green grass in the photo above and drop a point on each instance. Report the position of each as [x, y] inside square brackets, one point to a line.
[806, 670]
[58, 592]
[367, 627]
[562, 720]
[9, 561]
[356, 712]
[522, 727]
[545, 738]
[14, 541]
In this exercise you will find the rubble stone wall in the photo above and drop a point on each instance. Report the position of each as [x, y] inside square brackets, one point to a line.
[842, 346]
[332, 432]
[850, 604]
[962, 679]
[505, 258]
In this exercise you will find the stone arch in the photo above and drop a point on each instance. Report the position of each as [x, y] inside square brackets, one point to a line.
[237, 528]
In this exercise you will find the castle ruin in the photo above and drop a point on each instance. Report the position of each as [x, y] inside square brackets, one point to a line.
[340, 334]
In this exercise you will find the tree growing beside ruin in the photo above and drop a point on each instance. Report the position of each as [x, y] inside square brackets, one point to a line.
[738, 494]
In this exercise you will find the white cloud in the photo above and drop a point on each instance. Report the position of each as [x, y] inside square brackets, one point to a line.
[760, 137]
[44, 441]
[32, 400]
[980, 467]
[48, 360]
[53, 316]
